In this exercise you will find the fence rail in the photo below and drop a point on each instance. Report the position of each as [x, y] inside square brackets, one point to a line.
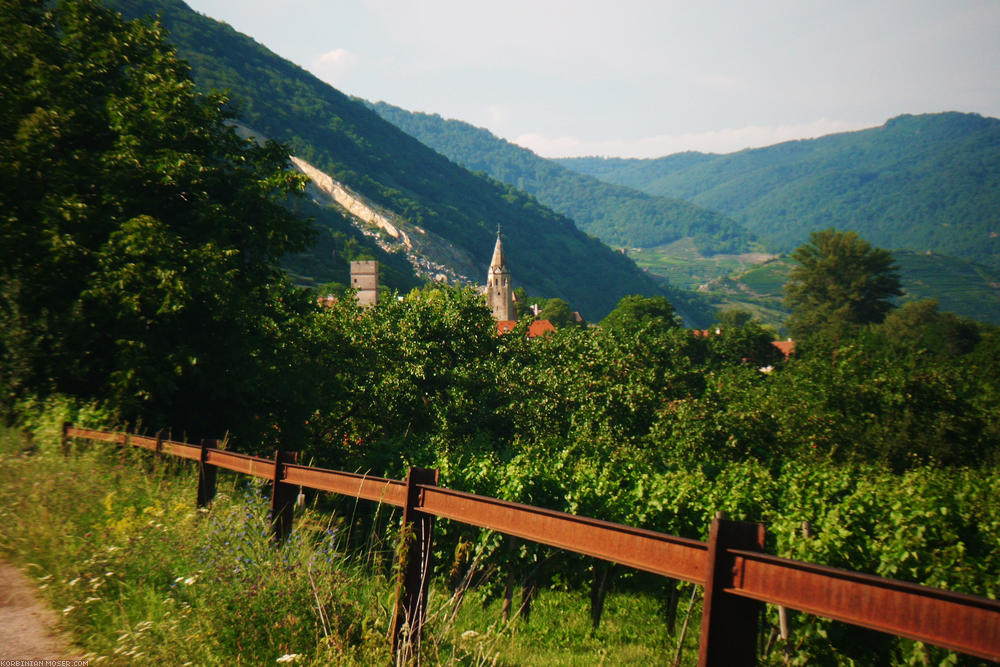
[737, 575]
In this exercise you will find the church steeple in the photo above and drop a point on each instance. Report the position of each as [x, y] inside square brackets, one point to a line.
[499, 293]
[498, 262]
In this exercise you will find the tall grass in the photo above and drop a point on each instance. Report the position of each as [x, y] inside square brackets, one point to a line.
[139, 576]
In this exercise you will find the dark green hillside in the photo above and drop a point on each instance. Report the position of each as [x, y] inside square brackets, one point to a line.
[919, 183]
[617, 215]
[549, 255]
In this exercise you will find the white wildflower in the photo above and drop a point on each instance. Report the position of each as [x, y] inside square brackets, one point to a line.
[290, 657]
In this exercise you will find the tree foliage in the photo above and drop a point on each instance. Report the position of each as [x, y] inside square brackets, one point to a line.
[140, 235]
[558, 312]
[840, 282]
[636, 311]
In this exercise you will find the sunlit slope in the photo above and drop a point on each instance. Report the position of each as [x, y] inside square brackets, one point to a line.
[548, 254]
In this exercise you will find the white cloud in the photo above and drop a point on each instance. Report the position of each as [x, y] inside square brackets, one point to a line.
[711, 141]
[334, 65]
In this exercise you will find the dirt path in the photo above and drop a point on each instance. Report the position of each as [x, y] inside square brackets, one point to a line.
[27, 626]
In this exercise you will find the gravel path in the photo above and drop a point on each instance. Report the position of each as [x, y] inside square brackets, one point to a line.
[27, 626]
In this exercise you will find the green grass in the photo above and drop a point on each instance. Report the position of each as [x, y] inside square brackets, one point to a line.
[139, 576]
[632, 632]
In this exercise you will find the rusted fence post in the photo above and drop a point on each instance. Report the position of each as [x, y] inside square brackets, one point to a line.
[415, 569]
[728, 622]
[206, 473]
[282, 497]
[64, 440]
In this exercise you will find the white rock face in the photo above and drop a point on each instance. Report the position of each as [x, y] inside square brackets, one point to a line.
[351, 202]
[431, 256]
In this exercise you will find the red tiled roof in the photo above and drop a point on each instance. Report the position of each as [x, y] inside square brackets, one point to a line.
[535, 329]
[786, 346]
[540, 328]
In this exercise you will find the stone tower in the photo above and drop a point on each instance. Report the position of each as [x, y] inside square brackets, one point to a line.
[499, 292]
[364, 278]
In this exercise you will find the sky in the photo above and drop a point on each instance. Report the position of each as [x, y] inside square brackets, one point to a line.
[643, 78]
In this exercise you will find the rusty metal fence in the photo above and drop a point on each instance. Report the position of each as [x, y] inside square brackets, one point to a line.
[737, 576]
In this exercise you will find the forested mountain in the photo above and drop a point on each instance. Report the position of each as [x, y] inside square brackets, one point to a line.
[549, 255]
[617, 215]
[927, 182]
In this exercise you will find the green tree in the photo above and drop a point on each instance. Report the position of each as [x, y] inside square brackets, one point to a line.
[140, 235]
[559, 313]
[635, 311]
[424, 374]
[840, 283]
[919, 327]
[733, 317]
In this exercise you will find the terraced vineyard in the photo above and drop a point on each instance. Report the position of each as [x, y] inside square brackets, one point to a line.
[755, 282]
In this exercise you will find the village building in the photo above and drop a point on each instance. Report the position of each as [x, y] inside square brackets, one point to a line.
[364, 278]
[499, 291]
[535, 329]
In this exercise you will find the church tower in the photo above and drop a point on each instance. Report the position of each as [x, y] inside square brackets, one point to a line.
[499, 293]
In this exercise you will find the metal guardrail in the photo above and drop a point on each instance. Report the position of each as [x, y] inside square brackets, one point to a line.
[738, 577]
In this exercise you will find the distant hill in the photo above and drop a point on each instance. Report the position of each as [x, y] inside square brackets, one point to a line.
[961, 287]
[919, 183]
[617, 215]
[393, 171]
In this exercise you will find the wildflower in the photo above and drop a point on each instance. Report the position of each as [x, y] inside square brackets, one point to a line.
[290, 657]
[470, 634]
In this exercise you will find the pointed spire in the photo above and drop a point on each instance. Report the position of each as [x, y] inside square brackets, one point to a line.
[498, 259]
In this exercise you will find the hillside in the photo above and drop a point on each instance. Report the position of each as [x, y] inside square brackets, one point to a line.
[919, 183]
[617, 215]
[961, 287]
[549, 255]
